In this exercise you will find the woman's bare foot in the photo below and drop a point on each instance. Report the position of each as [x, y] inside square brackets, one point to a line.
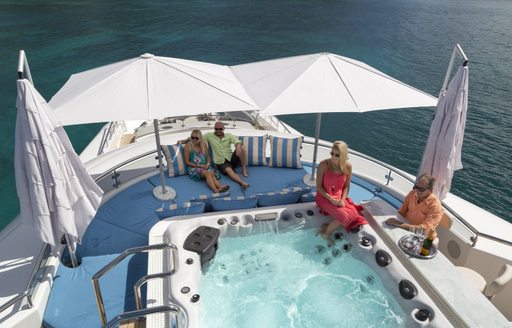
[323, 227]
[223, 188]
[245, 186]
[244, 173]
[327, 237]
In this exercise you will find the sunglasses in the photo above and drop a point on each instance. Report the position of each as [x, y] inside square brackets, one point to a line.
[419, 188]
[219, 129]
[194, 138]
[333, 154]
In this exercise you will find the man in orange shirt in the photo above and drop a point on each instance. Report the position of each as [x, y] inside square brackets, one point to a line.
[420, 207]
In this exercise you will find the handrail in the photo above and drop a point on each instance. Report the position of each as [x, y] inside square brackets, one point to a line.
[107, 134]
[133, 159]
[28, 289]
[143, 280]
[445, 206]
[144, 313]
[112, 264]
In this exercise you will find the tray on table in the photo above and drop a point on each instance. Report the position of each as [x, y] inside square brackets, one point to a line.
[405, 245]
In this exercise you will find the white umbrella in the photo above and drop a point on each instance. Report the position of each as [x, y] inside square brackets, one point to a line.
[443, 150]
[322, 83]
[57, 195]
[149, 87]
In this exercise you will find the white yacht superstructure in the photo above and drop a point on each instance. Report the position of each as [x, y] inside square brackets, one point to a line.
[123, 160]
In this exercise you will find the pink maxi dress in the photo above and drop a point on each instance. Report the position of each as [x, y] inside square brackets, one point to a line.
[350, 215]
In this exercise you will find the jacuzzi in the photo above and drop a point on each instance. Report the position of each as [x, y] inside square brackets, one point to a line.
[199, 238]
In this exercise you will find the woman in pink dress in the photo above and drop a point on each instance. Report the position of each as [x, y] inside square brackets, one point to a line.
[333, 182]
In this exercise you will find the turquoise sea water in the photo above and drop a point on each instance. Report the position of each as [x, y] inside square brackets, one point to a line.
[411, 40]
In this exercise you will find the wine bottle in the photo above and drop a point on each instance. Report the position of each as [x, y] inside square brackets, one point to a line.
[427, 243]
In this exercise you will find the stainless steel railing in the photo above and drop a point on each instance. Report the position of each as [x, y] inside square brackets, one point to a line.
[116, 261]
[139, 314]
[395, 172]
[29, 289]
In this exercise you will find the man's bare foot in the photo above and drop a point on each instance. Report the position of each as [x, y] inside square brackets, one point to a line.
[223, 188]
[245, 185]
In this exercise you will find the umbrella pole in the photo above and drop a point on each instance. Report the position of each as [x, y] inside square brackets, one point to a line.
[309, 179]
[72, 253]
[162, 192]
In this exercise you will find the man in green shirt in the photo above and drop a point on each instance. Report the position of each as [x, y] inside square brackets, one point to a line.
[226, 160]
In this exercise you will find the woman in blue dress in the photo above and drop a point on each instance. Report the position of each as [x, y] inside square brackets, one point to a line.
[198, 162]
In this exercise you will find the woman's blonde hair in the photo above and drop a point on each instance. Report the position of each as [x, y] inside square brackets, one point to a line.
[343, 149]
[202, 143]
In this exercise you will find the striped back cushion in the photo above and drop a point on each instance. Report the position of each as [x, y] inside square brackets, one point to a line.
[285, 152]
[255, 150]
[187, 208]
[281, 197]
[175, 157]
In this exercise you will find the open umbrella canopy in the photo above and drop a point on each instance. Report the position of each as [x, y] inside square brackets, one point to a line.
[148, 87]
[442, 155]
[57, 195]
[324, 82]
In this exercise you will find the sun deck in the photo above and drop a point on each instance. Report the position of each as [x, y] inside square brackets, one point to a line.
[123, 222]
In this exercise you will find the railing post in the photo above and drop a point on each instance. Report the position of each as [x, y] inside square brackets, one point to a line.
[113, 263]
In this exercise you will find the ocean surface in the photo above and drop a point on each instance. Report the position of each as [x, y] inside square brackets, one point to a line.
[411, 40]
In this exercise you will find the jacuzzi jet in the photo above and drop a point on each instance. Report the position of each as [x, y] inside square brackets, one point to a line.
[185, 290]
[347, 248]
[319, 249]
[189, 261]
[194, 298]
[422, 315]
[336, 253]
[327, 261]
[221, 221]
[370, 279]
[338, 236]
[365, 242]
[407, 289]
[383, 258]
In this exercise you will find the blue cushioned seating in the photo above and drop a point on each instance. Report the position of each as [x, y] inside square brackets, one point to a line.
[256, 147]
[231, 203]
[207, 197]
[186, 188]
[187, 208]
[175, 157]
[308, 197]
[285, 152]
[264, 179]
[121, 222]
[282, 197]
[72, 302]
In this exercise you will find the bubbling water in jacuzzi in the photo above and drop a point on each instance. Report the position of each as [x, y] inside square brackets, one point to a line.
[293, 279]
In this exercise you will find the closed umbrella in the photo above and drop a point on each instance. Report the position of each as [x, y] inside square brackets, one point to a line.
[149, 87]
[442, 155]
[57, 196]
[324, 82]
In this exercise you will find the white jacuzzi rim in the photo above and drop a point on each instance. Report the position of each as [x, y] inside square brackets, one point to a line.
[177, 229]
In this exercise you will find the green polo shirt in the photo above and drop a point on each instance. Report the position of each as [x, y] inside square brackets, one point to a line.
[221, 148]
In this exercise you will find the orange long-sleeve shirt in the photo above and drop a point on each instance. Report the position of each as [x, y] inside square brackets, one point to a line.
[427, 213]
